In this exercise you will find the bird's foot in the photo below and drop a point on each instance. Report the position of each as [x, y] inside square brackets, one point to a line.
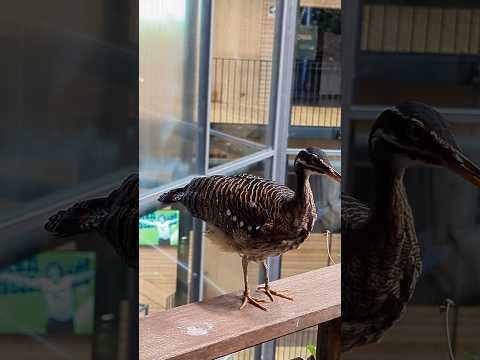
[248, 299]
[271, 293]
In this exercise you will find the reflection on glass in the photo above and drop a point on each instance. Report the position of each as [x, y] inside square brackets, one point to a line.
[316, 111]
[49, 293]
[168, 99]
[241, 75]
[165, 241]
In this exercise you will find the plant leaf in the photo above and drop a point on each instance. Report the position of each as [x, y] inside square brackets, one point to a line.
[312, 349]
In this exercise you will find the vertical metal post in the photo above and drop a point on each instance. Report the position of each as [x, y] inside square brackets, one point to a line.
[279, 117]
[328, 340]
[351, 32]
[204, 86]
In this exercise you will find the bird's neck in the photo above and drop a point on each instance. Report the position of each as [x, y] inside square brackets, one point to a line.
[391, 209]
[303, 192]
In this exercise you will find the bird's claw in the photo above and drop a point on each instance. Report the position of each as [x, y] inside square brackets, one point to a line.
[271, 293]
[247, 299]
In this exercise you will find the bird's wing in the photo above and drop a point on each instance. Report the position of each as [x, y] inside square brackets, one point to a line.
[126, 195]
[114, 216]
[242, 202]
[355, 214]
[120, 228]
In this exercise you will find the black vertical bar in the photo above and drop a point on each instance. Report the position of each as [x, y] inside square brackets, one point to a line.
[412, 30]
[222, 110]
[214, 115]
[440, 40]
[228, 86]
[328, 340]
[384, 24]
[234, 89]
[455, 31]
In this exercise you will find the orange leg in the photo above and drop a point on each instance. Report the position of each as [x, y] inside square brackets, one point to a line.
[247, 298]
[266, 288]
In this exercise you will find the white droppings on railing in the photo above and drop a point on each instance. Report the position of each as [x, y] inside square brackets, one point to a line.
[198, 330]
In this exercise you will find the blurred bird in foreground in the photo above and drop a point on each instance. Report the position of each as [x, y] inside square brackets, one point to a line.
[254, 217]
[114, 217]
[380, 252]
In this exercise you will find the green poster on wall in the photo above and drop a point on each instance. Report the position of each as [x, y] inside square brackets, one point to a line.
[159, 227]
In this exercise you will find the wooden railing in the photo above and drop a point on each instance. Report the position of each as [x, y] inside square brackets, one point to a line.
[216, 327]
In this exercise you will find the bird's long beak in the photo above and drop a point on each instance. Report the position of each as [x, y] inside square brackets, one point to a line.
[334, 174]
[458, 162]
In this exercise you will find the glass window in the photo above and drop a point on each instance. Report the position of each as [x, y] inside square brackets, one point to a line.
[68, 133]
[240, 78]
[165, 251]
[316, 112]
[169, 131]
[57, 99]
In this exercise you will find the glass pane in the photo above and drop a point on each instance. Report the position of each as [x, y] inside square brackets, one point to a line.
[427, 51]
[241, 76]
[169, 132]
[64, 93]
[316, 111]
[68, 133]
[165, 241]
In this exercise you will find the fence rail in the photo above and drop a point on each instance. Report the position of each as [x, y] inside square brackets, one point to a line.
[241, 92]
[216, 327]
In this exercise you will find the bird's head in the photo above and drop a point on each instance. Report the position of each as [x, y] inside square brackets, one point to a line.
[315, 161]
[414, 133]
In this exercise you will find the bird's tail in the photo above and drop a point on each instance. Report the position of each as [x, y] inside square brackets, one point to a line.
[80, 218]
[172, 196]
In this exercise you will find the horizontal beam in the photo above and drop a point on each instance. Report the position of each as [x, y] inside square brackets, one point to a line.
[216, 327]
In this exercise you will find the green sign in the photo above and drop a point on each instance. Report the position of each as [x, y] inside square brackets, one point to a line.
[159, 227]
[53, 292]
[306, 44]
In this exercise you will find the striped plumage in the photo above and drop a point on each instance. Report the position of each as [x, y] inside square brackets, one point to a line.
[115, 217]
[380, 252]
[254, 217]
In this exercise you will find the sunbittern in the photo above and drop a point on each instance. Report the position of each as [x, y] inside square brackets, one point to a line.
[114, 217]
[254, 217]
[380, 251]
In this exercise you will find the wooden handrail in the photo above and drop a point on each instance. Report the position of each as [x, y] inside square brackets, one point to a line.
[216, 327]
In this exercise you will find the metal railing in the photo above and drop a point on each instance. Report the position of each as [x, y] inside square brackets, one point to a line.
[241, 92]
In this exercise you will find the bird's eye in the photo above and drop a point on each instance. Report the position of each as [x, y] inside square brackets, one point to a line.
[415, 130]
